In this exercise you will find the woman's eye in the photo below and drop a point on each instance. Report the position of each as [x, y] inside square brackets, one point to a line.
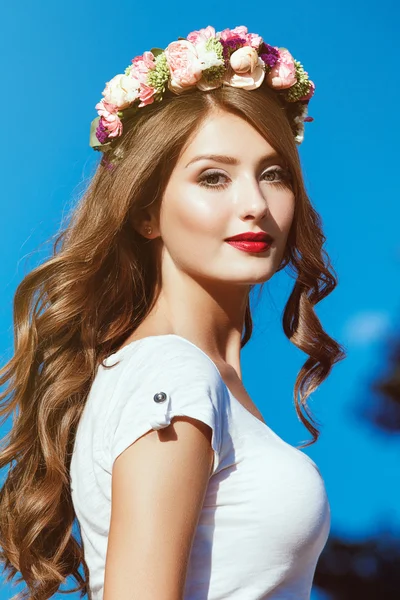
[209, 179]
[277, 175]
[273, 174]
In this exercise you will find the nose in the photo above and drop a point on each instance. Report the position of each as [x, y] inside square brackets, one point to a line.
[251, 200]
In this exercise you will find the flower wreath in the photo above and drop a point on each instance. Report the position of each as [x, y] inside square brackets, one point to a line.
[204, 60]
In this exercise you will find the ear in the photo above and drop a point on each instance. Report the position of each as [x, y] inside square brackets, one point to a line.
[145, 224]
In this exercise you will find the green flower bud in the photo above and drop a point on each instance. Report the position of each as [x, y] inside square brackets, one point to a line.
[214, 44]
[158, 77]
[301, 87]
[213, 74]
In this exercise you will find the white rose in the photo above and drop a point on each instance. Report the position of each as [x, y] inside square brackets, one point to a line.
[247, 81]
[121, 90]
[244, 60]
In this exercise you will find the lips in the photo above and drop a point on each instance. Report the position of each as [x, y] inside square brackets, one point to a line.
[249, 236]
[249, 246]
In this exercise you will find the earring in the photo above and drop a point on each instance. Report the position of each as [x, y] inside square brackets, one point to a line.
[148, 230]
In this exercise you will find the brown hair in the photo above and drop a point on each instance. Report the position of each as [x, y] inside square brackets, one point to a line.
[82, 303]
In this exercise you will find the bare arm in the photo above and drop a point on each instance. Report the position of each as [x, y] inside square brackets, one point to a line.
[158, 489]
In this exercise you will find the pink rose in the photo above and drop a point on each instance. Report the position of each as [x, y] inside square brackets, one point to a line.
[283, 74]
[244, 60]
[105, 108]
[252, 39]
[185, 67]
[109, 118]
[113, 125]
[247, 81]
[229, 34]
[141, 65]
[202, 35]
[146, 94]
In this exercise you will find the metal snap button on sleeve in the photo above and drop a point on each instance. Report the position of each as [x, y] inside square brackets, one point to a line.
[160, 414]
[160, 397]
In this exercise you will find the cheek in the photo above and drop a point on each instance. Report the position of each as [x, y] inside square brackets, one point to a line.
[283, 212]
[195, 214]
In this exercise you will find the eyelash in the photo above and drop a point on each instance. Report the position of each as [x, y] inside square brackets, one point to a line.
[285, 182]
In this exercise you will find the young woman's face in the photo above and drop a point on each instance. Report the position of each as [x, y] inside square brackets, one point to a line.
[208, 200]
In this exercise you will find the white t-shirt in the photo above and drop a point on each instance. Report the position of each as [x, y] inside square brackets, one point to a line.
[266, 515]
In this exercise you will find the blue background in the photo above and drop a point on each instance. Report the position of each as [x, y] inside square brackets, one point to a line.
[59, 56]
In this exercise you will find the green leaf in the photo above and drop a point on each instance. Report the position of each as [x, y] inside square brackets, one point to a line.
[93, 141]
[157, 51]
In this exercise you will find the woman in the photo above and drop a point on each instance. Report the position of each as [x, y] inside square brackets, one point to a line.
[133, 417]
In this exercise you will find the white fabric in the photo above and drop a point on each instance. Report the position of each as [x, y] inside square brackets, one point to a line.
[266, 515]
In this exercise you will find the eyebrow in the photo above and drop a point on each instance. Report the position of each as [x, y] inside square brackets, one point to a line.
[231, 160]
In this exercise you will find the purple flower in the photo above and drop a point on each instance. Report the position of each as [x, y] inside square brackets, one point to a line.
[229, 46]
[269, 54]
[101, 132]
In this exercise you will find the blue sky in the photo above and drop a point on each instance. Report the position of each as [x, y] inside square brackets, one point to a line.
[59, 56]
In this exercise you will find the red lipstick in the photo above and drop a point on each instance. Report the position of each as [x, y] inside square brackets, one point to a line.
[251, 242]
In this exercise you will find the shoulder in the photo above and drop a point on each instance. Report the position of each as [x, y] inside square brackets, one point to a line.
[171, 356]
[163, 377]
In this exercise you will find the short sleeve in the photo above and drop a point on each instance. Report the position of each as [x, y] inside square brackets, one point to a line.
[165, 377]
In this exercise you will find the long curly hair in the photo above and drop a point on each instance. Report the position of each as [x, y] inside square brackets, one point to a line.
[99, 284]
